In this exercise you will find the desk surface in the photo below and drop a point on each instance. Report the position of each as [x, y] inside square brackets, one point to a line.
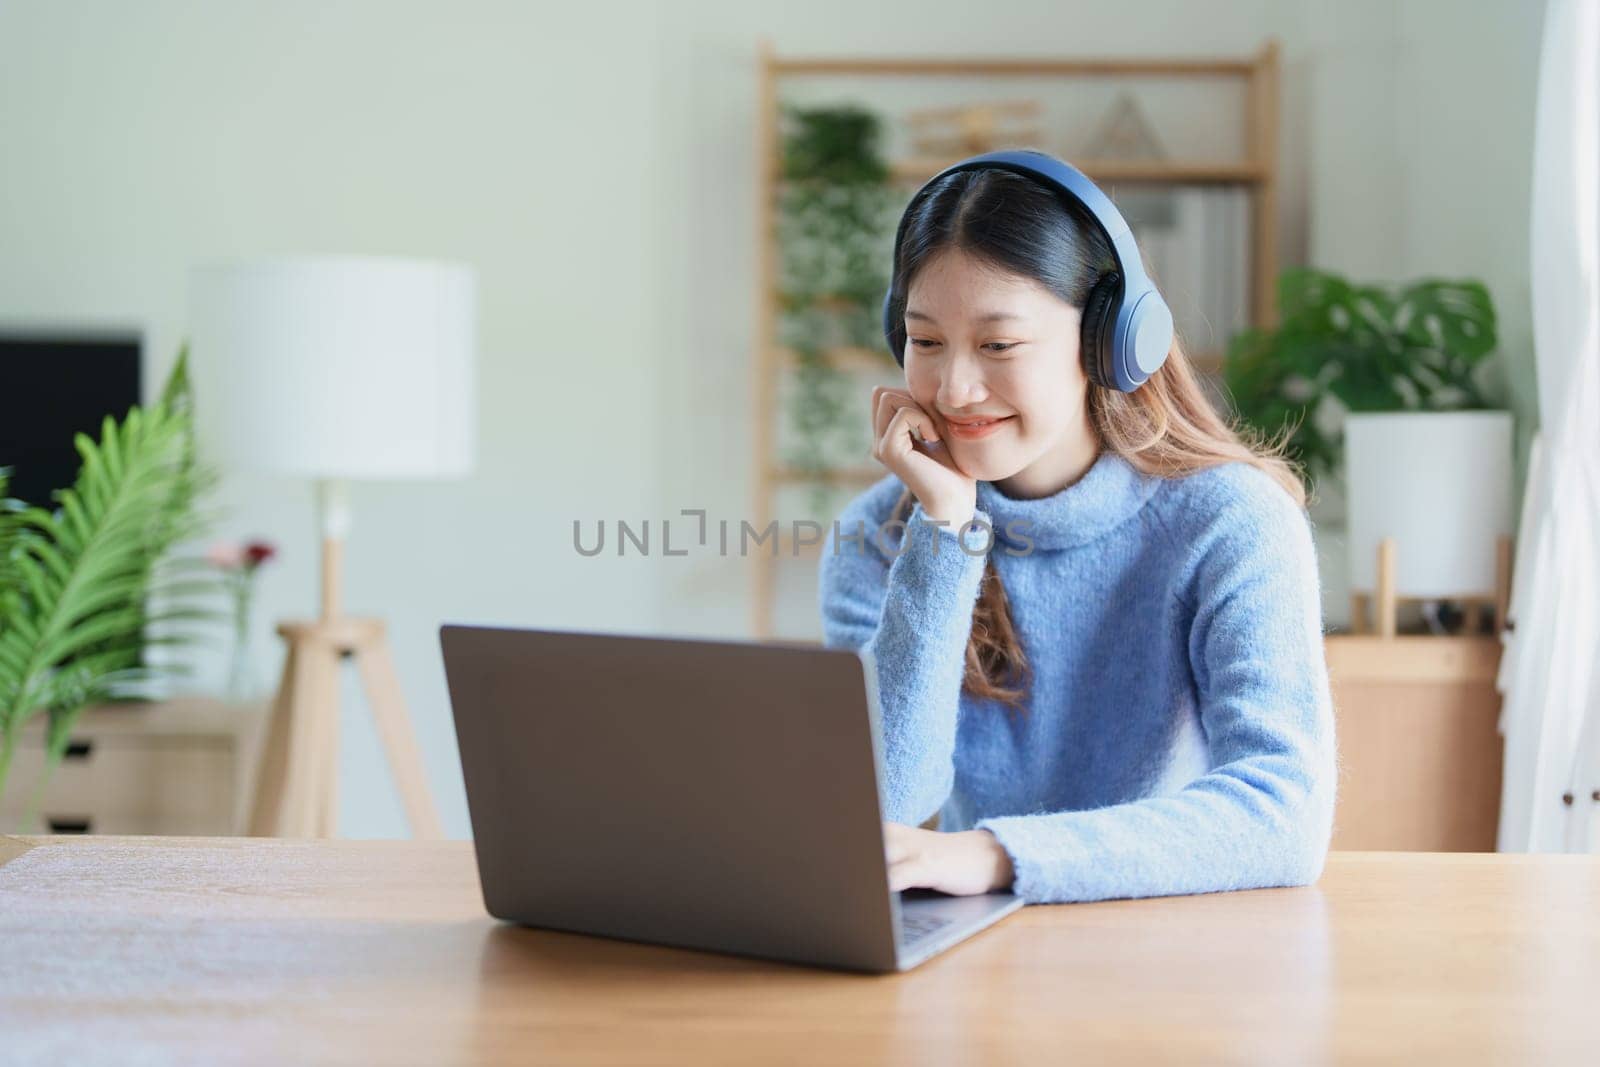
[229, 950]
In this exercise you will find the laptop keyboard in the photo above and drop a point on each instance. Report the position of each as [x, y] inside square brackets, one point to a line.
[914, 928]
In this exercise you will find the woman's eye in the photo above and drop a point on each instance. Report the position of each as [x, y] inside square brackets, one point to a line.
[992, 346]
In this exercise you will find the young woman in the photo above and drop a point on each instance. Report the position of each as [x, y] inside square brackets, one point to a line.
[1094, 615]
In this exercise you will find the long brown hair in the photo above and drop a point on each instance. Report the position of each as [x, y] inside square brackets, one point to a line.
[1167, 427]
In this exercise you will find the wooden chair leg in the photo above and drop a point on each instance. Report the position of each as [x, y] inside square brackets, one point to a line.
[394, 727]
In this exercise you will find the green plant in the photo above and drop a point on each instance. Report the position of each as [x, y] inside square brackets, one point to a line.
[74, 580]
[1416, 347]
[835, 230]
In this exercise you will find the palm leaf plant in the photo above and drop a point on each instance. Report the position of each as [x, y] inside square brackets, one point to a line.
[76, 580]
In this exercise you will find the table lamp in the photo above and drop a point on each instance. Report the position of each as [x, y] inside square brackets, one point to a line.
[334, 369]
[1429, 505]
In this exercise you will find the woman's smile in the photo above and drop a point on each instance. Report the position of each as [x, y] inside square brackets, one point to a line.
[975, 428]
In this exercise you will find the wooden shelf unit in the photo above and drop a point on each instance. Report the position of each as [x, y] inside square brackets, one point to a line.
[1258, 172]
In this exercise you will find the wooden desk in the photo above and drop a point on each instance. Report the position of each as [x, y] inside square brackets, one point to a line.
[227, 950]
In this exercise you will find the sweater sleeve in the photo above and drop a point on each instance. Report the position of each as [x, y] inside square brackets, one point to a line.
[1262, 815]
[913, 613]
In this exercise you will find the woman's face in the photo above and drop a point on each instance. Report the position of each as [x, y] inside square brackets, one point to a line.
[982, 342]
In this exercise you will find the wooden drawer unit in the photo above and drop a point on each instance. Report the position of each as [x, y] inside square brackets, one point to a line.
[1419, 743]
[182, 766]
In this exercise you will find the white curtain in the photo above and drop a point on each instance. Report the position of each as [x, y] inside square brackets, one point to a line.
[1550, 671]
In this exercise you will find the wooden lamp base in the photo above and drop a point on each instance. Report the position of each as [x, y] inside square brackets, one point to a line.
[1491, 606]
[296, 794]
[296, 790]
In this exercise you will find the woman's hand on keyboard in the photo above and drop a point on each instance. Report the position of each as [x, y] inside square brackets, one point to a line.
[964, 863]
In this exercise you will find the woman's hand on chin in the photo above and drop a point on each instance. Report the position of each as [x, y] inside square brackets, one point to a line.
[906, 440]
[962, 864]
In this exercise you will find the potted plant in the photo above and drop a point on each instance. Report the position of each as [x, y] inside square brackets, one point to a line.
[835, 231]
[1425, 452]
[75, 579]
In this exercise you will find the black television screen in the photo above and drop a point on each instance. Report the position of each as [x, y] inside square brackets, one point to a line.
[51, 388]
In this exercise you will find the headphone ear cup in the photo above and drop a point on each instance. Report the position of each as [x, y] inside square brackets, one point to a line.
[1095, 336]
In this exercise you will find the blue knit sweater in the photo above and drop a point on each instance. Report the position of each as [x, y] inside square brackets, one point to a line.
[1178, 729]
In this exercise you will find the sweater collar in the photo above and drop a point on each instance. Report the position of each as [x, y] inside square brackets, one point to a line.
[1109, 492]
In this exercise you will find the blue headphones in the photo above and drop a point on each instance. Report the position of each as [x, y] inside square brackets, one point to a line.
[1127, 328]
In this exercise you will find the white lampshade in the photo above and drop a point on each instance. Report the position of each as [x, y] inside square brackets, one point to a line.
[341, 367]
[1439, 483]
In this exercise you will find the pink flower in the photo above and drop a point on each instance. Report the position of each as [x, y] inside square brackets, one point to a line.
[229, 555]
[233, 556]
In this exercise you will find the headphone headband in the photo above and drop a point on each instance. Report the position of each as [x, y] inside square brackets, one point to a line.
[1127, 326]
[1066, 178]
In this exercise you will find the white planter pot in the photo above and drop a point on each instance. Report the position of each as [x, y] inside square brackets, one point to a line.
[1439, 483]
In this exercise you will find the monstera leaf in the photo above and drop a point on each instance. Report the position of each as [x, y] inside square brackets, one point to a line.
[1449, 328]
[1368, 347]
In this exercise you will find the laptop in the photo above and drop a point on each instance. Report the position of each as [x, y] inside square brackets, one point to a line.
[715, 795]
